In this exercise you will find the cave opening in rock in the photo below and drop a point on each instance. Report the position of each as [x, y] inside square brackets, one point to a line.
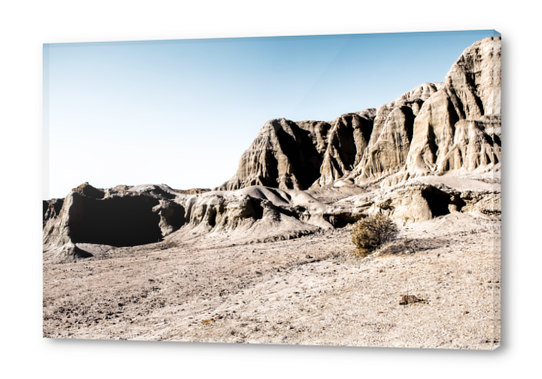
[437, 200]
[117, 221]
[341, 220]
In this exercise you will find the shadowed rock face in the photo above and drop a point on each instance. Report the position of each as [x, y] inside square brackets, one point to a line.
[122, 217]
[284, 155]
[116, 221]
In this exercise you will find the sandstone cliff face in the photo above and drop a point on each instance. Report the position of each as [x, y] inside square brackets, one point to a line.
[299, 155]
[458, 128]
[373, 143]
[348, 140]
[284, 155]
[432, 129]
[388, 148]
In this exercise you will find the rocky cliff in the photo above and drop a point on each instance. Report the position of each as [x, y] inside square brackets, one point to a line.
[298, 177]
[433, 129]
[389, 145]
[459, 127]
[284, 155]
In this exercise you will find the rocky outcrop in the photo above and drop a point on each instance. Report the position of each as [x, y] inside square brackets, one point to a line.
[284, 155]
[146, 214]
[348, 141]
[458, 128]
[389, 145]
[51, 209]
[259, 214]
[372, 143]
[415, 202]
[116, 217]
[433, 129]
[88, 190]
[299, 155]
[388, 139]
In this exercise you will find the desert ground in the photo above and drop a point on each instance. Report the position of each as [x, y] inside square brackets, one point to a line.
[310, 290]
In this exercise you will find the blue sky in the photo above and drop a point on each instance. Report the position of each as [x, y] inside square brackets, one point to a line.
[181, 112]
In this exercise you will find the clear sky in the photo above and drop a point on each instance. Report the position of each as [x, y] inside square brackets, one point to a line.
[181, 112]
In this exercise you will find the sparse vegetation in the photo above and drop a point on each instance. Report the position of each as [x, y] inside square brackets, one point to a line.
[372, 232]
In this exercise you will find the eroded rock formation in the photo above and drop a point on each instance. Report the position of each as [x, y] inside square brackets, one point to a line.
[459, 126]
[433, 129]
[284, 155]
[348, 141]
[405, 146]
[390, 141]
[116, 217]
[415, 202]
[51, 209]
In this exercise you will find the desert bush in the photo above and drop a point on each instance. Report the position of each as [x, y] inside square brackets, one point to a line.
[372, 232]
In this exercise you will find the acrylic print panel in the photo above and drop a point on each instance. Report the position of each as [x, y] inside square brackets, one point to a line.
[319, 190]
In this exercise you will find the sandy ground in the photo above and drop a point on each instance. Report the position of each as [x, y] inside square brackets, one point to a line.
[309, 290]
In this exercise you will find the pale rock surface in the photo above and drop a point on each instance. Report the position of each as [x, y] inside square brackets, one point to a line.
[458, 128]
[415, 201]
[392, 133]
[348, 140]
[433, 129]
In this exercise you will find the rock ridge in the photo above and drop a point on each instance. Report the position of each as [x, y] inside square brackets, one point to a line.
[432, 129]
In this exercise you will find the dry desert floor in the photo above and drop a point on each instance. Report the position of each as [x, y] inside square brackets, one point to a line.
[310, 290]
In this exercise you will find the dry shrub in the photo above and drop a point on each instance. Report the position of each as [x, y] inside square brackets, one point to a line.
[372, 232]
